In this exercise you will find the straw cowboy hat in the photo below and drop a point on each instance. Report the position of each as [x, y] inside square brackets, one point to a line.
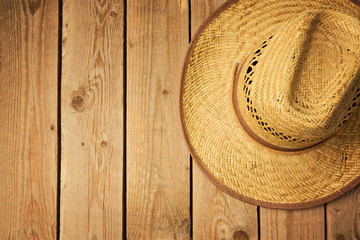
[269, 97]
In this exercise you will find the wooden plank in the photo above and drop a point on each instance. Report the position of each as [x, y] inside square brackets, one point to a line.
[343, 216]
[28, 119]
[92, 120]
[216, 215]
[158, 173]
[292, 224]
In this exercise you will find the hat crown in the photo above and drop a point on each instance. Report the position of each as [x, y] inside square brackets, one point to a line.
[302, 83]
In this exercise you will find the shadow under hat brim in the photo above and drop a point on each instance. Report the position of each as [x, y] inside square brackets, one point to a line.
[218, 144]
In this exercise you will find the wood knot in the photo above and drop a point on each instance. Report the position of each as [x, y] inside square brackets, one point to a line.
[82, 144]
[104, 144]
[185, 226]
[34, 5]
[52, 127]
[240, 235]
[113, 14]
[78, 103]
[165, 92]
[340, 237]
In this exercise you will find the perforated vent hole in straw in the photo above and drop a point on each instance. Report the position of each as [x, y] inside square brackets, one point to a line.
[351, 107]
[247, 90]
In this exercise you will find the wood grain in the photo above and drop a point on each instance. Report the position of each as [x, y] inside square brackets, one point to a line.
[216, 215]
[292, 224]
[158, 173]
[28, 119]
[92, 120]
[219, 216]
[343, 216]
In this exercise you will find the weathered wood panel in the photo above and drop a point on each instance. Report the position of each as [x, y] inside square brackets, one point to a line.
[292, 224]
[28, 119]
[343, 216]
[216, 215]
[92, 120]
[158, 187]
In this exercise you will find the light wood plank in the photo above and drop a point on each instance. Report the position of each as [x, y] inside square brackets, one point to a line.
[343, 216]
[292, 224]
[92, 120]
[216, 215]
[28, 119]
[158, 188]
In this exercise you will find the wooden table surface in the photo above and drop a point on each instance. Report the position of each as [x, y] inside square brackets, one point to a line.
[91, 145]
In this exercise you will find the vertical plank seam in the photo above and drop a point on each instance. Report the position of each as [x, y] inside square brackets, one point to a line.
[60, 24]
[191, 198]
[325, 221]
[124, 215]
[191, 160]
[189, 4]
[258, 222]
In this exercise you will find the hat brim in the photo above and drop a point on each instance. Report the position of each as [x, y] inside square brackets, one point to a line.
[220, 147]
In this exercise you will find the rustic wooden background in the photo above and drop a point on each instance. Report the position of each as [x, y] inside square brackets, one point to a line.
[90, 139]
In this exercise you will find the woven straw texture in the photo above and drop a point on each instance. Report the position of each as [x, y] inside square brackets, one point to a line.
[228, 156]
[299, 86]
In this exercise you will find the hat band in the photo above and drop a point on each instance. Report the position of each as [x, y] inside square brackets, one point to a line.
[248, 129]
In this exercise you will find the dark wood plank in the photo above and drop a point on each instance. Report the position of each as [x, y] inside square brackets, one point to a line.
[28, 119]
[158, 187]
[92, 120]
